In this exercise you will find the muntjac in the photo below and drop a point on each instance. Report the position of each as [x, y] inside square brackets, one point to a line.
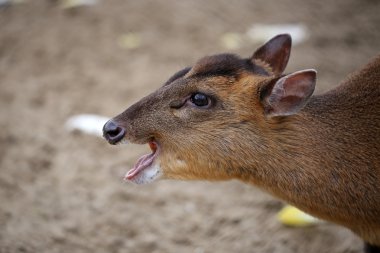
[228, 117]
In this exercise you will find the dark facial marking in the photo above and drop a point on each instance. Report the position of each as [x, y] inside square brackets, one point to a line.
[177, 75]
[228, 65]
[219, 65]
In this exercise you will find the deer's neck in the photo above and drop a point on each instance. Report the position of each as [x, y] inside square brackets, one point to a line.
[320, 161]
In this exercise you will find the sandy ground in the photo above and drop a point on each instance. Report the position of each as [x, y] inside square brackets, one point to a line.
[62, 192]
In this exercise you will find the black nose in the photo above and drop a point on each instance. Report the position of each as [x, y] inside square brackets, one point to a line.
[112, 132]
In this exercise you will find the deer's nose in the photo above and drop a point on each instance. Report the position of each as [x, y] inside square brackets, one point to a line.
[112, 132]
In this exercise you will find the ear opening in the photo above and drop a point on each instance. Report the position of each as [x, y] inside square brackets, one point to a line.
[289, 94]
[275, 54]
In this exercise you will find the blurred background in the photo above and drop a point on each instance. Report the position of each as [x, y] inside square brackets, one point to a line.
[61, 190]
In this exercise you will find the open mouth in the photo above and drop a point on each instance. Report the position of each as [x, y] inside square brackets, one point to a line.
[144, 162]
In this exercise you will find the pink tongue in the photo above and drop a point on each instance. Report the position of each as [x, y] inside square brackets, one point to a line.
[144, 162]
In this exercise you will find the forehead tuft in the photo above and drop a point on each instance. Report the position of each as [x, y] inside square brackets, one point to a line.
[220, 65]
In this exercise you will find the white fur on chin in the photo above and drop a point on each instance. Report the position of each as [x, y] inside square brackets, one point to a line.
[148, 175]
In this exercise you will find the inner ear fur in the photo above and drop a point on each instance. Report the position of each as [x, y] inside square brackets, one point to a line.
[274, 54]
[288, 94]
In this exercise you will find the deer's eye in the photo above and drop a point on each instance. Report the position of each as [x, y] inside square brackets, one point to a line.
[200, 100]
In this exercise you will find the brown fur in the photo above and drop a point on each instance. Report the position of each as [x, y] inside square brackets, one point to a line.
[324, 159]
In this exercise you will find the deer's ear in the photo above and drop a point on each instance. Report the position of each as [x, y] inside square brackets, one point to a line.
[289, 94]
[275, 53]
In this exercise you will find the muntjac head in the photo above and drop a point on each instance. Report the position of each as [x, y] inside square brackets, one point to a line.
[213, 120]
